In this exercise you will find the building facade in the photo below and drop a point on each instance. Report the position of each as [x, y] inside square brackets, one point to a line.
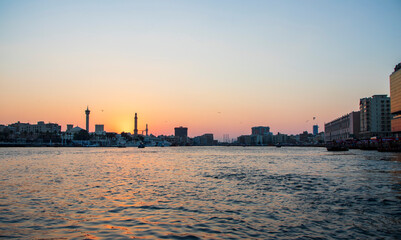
[375, 116]
[260, 130]
[345, 127]
[395, 94]
[99, 129]
[40, 127]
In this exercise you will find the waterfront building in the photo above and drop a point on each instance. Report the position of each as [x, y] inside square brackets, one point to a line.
[69, 127]
[87, 112]
[181, 132]
[204, 140]
[342, 128]
[181, 135]
[375, 117]
[244, 140]
[260, 130]
[40, 127]
[315, 130]
[99, 129]
[395, 94]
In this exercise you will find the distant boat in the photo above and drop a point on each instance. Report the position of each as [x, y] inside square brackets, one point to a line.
[278, 145]
[141, 145]
[336, 147]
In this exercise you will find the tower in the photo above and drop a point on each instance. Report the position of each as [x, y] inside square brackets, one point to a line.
[87, 112]
[146, 129]
[136, 125]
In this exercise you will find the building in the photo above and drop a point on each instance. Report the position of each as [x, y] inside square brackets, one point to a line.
[99, 129]
[375, 117]
[204, 140]
[345, 127]
[395, 94]
[40, 127]
[87, 112]
[70, 127]
[315, 130]
[181, 132]
[260, 130]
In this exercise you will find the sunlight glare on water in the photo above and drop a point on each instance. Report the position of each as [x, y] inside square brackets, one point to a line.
[199, 193]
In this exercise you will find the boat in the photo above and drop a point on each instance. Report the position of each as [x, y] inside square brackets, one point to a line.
[278, 145]
[141, 145]
[336, 146]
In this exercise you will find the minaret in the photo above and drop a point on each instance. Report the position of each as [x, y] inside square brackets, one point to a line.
[146, 129]
[136, 125]
[87, 112]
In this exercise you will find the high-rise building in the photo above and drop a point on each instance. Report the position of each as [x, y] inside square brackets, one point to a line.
[181, 132]
[260, 130]
[345, 127]
[136, 125]
[87, 112]
[395, 94]
[315, 130]
[375, 116]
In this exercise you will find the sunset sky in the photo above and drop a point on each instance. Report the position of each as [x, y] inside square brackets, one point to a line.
[213, 66]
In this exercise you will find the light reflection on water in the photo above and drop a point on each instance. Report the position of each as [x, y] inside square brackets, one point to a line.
[199, 192]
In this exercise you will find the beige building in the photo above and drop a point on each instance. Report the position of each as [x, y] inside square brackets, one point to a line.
[395, 94]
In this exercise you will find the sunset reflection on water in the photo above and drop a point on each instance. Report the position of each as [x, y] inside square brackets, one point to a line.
[198, 192]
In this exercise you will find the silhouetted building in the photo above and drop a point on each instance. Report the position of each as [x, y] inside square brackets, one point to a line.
[181, 132]
[87, 112]
[181, 135]
[395, 94]
[260, 130]
[375, 116]
[345, 127]
[99, 128]
[204, 140]
[69, 127]
[41, 127]
[244, 140]
[315, 130]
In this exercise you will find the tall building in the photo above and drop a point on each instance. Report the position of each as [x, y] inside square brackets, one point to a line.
[87, 112]
[375, 116]
[136, 125]
[345, 127]
[315, 130]
[181, 132]
[260, 130]
[395, 94]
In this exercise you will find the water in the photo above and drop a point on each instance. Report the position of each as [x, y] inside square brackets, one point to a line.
[199, 193]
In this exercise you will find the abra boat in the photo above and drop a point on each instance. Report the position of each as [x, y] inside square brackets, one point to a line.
[336, 146]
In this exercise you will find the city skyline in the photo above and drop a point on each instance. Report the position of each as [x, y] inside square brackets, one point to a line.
[212, 67]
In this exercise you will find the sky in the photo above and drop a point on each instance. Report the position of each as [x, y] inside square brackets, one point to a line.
[217, 67]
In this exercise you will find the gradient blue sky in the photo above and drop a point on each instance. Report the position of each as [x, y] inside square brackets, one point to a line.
[213, 66]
